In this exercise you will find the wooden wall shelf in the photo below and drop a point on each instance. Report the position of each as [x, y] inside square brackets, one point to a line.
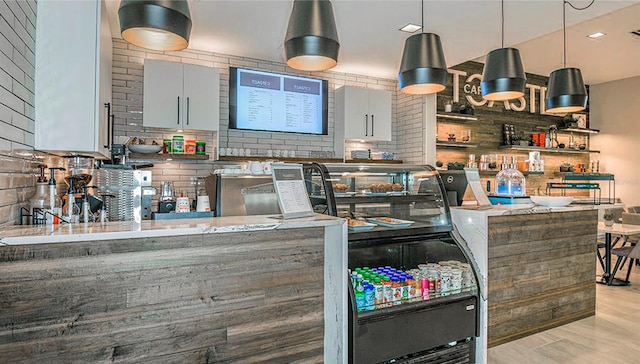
[303, 160]
[167, 156]
[457, 117]
[375, 161]
[579, 130]
[572, 130]
[447, 144]
[494, 172]
[547, 150]
[281, 159]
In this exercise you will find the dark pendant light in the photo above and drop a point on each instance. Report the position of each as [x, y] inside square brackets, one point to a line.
[162, 25]
[423, 69]
[566, 91]
[503, 76]
[311, 43]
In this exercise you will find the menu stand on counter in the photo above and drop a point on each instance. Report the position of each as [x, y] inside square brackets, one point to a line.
[291, 191]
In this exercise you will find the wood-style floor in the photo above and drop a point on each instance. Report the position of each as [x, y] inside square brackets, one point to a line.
[612, 336]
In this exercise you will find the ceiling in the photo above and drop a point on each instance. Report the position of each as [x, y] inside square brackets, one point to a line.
[371, 44]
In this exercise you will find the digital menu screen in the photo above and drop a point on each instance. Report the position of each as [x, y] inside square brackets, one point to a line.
[267, 101]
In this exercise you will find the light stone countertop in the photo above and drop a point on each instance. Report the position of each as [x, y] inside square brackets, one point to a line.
[19, 235]
[522, 209]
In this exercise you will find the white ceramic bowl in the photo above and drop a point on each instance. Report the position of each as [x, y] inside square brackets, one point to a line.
[552, 201]
[145, 148]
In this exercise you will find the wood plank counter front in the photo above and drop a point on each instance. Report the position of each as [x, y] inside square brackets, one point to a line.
[201, 295]
[537, 267]
[541, 272]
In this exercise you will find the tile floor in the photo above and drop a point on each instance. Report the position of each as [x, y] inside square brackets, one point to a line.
[612, 336]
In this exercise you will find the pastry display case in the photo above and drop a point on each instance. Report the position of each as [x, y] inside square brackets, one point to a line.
[413, 292]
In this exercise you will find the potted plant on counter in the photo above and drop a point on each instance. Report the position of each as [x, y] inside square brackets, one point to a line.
[608, 218]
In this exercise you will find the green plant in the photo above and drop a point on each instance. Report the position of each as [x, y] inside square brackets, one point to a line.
[518, 137]
[608, 215]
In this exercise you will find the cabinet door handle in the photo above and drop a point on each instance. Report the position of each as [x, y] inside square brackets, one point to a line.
[366, 124]
[178, 110]
[188, 110]
[108, 109]
[372, 121]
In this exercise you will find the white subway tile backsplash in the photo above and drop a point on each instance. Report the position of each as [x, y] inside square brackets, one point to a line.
[8, 66]
[22, 33]
[5, 114]
[22, 122]
[23, 93]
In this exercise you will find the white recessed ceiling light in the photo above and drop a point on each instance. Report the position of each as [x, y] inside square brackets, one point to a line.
[410, 28]
[596, 35]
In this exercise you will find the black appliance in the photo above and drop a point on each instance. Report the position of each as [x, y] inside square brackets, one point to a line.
[410, 232]
[455, 183]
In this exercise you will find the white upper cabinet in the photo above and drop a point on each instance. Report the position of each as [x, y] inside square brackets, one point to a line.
[181, 96]
[73, 78]
[362, 113]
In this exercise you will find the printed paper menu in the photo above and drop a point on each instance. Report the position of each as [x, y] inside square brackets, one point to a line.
[291, 191]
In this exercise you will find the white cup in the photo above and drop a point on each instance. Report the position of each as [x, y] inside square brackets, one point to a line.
[266, 167]
[447, 108]
[292, 154]
[241, 152]
[222, 152]
[269, 153]
[234, 152]
[247, 152]
[182, 204]
[276, 153]
[202, 204]
[255, 167]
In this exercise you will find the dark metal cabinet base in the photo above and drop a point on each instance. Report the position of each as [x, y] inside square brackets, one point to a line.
[461, 353]
[383, 337]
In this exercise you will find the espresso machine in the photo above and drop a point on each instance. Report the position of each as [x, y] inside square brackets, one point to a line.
[131, 190]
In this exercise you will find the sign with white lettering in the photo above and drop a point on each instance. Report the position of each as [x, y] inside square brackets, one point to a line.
[473, 94]
[291, 191]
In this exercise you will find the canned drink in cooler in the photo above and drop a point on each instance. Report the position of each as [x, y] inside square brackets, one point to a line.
[445, 281]
[425, 287]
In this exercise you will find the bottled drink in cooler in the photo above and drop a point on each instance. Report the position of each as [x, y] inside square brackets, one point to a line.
[397, 291]
[379, 289]
[388, 291]
[359, 293]
[369, 297]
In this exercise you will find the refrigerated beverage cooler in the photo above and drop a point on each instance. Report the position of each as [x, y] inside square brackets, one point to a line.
[413, 292]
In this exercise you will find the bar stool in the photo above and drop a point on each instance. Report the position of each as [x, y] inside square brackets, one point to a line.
[634, 209]
[625, 251]
[629, 252]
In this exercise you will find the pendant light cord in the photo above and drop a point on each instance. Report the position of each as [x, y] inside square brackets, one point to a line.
[564, 25]
[422, 16]
[564, 33]
[502, 23]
